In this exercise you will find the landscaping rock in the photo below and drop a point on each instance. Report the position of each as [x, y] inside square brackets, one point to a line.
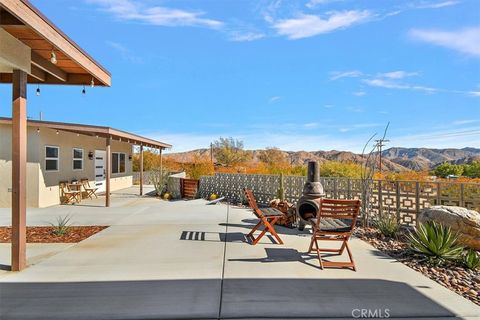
[461, 220]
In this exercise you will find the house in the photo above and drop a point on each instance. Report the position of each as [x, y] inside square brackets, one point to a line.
[65, 151]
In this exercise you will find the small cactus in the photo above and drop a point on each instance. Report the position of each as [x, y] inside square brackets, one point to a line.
[281, 189]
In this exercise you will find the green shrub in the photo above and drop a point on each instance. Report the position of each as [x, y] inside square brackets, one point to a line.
[436, 242]
[446, 169]
[471, 260]
[388, 225]
[472, 170]
[61, 228]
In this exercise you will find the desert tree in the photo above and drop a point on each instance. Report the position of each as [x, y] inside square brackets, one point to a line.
[229, 152]
[370, 158]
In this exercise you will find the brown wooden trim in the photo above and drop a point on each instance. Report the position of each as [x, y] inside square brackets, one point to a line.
[8, 20]
[37, 73]
[19, 170]
[49, 67]
[95, 130]
[30, 16]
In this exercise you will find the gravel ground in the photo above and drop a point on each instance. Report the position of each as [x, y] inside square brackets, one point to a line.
[453, 275]
[47, 235]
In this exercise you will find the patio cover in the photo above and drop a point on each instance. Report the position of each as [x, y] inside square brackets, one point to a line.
[27, 40]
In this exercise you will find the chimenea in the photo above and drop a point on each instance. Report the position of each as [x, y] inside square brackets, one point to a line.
[309, 202]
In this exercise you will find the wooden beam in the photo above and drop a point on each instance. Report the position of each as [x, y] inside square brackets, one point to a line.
[8, 20]
[38, 73]
[141, 170]
[19, 170]
[33, 18]
[48, 67]
[108, 169]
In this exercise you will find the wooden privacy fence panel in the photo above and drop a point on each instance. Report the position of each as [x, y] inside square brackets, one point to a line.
[189, 188]
[405, 199]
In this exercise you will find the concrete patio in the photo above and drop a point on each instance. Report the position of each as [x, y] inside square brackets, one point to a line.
[186, 259]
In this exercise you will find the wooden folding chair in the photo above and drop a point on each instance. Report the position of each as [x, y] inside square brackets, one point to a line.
[335, 221]
[89, 190]
[67, 195]
[268, 217]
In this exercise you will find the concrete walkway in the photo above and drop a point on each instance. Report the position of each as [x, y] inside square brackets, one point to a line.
[185, 259]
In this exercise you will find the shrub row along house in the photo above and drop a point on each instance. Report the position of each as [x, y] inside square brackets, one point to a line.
[65, 152]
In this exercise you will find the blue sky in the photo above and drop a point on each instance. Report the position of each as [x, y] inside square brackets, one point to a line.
[298, 75]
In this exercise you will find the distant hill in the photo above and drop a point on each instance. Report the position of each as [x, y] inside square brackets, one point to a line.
[394, 159]
[425, 158]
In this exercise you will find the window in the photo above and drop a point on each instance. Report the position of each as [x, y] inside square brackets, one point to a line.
[118, 162]
[77, 159]
[51, 158]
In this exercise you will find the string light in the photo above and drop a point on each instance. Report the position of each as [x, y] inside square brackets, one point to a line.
[57, 132]
[92, 83]
[38, 130]
[53, 57]
[83, 90]
[37, 92]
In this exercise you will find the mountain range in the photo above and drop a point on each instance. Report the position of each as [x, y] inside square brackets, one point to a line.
[393, 159]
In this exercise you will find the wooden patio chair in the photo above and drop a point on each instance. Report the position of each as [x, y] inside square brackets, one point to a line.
[89, 190]
[67, 195]
[335, 221]
[268, 217]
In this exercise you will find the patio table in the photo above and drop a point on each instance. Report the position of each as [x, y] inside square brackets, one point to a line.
[76, 187]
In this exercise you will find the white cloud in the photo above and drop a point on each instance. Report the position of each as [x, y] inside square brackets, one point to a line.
[465, 137]
[356, 109]
[328, 106]
[359, 93]
[155, 15]
[311, 125]
[274, 99]
[474, 93]
[306, 25]
[249, 36]
[335, 75]
[126, 53]
[315, 3]
[433, 5]
[462, 122]
[309, 139]
[398, 74]
[466, 41]
[383, 83]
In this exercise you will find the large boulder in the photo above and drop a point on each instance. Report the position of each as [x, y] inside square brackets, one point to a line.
[461, 220]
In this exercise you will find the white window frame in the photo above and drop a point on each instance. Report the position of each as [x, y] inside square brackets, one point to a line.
[51, 158]
[77, 159]
[118, 163]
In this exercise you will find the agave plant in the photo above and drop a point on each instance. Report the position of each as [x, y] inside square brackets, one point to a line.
[435, 241]
[61, 228]
[471, 260]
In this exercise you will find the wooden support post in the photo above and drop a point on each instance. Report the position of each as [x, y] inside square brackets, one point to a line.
[141, 170]
[19, 169]
[108, 168]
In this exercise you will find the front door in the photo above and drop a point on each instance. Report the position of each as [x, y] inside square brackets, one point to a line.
[100, 174]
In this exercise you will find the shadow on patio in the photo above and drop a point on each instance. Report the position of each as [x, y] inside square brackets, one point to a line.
[214, 299]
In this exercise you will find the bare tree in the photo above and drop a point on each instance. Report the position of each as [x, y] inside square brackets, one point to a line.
[369, 167]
